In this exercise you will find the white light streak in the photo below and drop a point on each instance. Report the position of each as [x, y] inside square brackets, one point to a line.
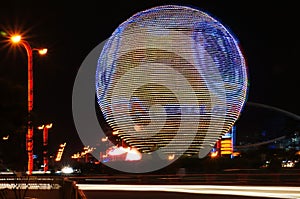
[254, 191]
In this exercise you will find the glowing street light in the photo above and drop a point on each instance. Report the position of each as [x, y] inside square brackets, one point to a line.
[42, 51]
[45, 144]
[5, 137]
[17, 39]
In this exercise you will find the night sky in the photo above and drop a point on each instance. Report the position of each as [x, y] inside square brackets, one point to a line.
[268, 35]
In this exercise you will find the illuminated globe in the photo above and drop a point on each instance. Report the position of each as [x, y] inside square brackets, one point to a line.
[171, 79]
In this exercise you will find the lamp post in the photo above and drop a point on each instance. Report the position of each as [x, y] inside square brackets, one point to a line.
[45, 144]
[29, 136]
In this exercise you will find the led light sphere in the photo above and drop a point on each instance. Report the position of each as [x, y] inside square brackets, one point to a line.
[171, 78]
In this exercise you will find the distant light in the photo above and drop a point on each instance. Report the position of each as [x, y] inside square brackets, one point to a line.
[130, 153]
[41, 127]
[43, 52]
[39, 172]
[63, 145]
[171, 157]
[48, 125]
[16, 38]
[104, 139]
[118, 151]
[214, 154]
[6, 172]
[75, 156]
[60, 152]
[5, 137]
[235, 154]
[133, 155]
[67, 170]
[3, 33]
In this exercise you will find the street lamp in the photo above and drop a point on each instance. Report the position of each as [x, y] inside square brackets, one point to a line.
[45, 144]
[29, 137]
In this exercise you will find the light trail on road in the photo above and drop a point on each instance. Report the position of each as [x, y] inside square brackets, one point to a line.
[252, 191]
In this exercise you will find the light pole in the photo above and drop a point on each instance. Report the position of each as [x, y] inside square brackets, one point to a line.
[29, 136]
[45, 144]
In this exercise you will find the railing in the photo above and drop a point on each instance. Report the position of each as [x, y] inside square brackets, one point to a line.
[24, 186]
[65, 186]
[71, 191]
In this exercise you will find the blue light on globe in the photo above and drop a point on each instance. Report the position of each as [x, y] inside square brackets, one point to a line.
[171, 78]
